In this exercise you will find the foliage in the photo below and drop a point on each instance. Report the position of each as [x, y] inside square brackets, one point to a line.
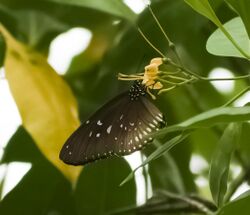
[201, 120]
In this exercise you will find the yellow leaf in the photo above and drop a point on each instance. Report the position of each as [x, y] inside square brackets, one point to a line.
[46, 104]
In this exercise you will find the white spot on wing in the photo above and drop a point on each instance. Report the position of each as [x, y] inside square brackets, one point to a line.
[99, 122]
[87, 122]
[132, 124]
[98, 135]
[121, 117]
[155, 122]
[159, 119]
[151, 125]
[148, 129]
[109, 129]
[90, 134]
[136, 139]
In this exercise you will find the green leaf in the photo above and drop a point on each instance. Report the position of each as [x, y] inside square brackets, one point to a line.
[182, 154]
[156, 154]
[242, 8]
[43, 190]
[32, 26]
[203, 7]
[241, 206]
[98, 191]
[208, 144]
[43, 185]
[21, 148]
[2, 50]
[244, 146]
[209, 119]
[218, 44]
[220, 163]
[169, 179]
[114, 7]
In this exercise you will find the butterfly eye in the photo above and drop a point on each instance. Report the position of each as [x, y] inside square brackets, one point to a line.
[119, 128]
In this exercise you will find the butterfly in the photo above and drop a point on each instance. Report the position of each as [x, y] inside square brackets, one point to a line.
[120, 127]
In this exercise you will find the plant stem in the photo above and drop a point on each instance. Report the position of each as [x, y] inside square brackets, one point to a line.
[151, 44]
[225, 79]
[177, 78]
[192, 202]
[168, 82]
[169, 61]
[237, 96]
[145, 174]
[170, 43]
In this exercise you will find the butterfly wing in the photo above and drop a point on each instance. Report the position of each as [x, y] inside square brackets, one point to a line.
[120, 127]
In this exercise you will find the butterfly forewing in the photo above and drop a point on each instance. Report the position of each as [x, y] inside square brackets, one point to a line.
[87, 139]
[120, 127]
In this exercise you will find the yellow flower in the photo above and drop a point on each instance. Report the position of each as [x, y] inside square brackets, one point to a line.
[151, 74]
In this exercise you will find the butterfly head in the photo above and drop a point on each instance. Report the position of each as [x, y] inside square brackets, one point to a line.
[147, 81]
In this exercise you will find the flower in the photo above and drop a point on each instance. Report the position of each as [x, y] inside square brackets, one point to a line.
[151, 74]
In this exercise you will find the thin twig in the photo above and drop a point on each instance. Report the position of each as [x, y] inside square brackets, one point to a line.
[225, 79]
[151, 44]
[170, 43]
[200, 206]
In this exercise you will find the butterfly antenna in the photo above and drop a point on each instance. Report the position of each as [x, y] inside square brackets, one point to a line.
[148, 41]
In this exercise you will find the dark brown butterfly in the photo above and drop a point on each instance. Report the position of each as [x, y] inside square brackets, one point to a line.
[120, 127]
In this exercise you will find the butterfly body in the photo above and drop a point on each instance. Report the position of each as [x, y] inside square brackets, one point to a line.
[120, 127]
